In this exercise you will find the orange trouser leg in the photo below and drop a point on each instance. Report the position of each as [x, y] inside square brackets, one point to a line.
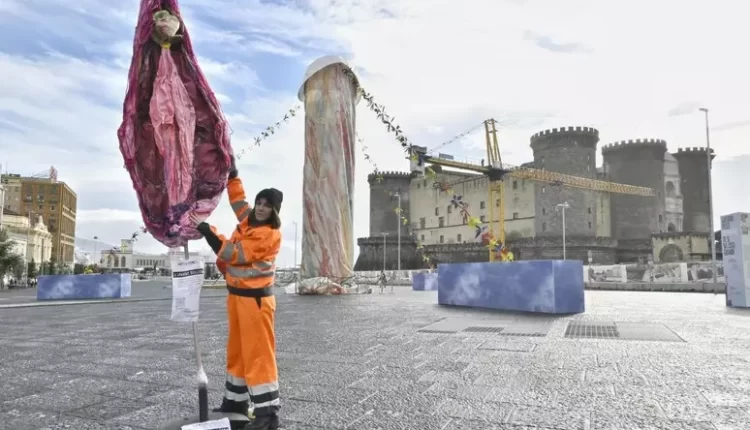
[236, 392]
[256, 321]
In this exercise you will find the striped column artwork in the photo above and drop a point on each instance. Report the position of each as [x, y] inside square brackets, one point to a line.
[330, 98]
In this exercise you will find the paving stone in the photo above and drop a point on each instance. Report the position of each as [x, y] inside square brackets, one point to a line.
[73, 423]
[563, 419]
[101, 365]
[55, 401]
[152, 417]
[324, 394]
[476, 410]
[108, 409]
[406, 403]
[26, 420]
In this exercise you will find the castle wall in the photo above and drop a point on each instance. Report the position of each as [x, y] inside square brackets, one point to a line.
[431, 207]
[383, 203]
[693, 170]
[672, 194]
[641, 163]
[571, 151]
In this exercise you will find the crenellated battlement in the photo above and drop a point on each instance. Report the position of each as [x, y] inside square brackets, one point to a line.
[694, 150]
[389, 174]
[542, 135]
[634, 144]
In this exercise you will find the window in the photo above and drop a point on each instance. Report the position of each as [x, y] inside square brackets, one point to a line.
[481, 205]
[497, 203]
[422, 222]
[421, 239]
[589, 225]
[515, 185]
[660, 218]
[544, 211]
[437, 211]
[589, 210]
[515, 215]
[544, 226]
[441, 238]
[482, 218]
[441, 222]
[449, 209]
[458, 238]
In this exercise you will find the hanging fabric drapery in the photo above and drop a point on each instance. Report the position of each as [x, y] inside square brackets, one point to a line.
[174, 137]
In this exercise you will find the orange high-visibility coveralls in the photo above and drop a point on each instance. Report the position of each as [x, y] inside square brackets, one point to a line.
[250, 255]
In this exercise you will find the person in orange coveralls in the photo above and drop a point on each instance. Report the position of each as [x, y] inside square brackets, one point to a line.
[248, 262]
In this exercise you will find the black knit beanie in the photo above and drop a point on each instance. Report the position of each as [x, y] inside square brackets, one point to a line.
[272, 196]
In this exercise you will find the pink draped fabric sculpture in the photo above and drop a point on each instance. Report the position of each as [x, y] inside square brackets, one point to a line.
[329, 93]
[174, 137]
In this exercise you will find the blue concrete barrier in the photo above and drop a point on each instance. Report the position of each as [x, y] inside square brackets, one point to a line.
[424, 281]
[544, 286]
[67, 287]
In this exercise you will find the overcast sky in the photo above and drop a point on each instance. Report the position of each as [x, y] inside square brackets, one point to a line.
[631, 69]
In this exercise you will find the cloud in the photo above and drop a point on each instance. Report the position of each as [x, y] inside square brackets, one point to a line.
[437, 68]
[546, 42]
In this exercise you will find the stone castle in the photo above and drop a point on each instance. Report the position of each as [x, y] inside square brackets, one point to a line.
[608, 227]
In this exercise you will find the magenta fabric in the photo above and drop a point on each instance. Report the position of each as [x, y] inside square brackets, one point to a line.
[174, 137]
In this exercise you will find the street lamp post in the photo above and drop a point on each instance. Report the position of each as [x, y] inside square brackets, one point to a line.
[95, 259]
[26, 251]
[384, 245]
[712, 238]
[563, 206]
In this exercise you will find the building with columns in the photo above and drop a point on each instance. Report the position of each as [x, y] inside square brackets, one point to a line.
[32, 238]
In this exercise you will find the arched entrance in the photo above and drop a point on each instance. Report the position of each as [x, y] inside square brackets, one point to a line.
[671, 253]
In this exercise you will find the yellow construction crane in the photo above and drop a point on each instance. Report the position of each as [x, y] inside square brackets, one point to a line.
[496, 171]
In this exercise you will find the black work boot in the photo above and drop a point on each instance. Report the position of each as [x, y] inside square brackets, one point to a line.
[229, 406]
[264, 422]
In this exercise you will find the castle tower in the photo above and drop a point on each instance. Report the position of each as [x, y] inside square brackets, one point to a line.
[636, 162]
[383, 202]
[383, 219]
[693, 168]
[572, 151]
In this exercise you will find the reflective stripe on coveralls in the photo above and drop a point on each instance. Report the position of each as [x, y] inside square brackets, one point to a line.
[237, 199]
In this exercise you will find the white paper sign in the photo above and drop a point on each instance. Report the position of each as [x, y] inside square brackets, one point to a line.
[187, 280]
[222, 424]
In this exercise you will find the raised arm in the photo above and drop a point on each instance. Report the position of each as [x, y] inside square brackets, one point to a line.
[259, 248]
[237, 197]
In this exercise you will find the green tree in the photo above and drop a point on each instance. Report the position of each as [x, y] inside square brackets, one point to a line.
[18, 270]
[31, 269]
[78, 269]
[51, 266]
[9, 259]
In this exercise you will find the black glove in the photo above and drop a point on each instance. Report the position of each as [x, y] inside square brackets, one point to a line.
[203, 228]
[233, 169]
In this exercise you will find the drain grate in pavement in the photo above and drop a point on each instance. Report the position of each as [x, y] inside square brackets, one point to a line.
[577, 329]
[523, 334]
[481, 329]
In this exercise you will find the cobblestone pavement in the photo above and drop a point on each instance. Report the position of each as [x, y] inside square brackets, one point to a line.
[363, 363]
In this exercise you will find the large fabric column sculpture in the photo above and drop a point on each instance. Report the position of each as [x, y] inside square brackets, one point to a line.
[329, 93]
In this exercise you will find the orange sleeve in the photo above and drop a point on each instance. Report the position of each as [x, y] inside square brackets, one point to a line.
[263, 246]
[238, 199]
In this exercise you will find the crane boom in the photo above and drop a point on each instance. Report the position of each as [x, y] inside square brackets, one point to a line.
[496, 172]
[578, 182]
